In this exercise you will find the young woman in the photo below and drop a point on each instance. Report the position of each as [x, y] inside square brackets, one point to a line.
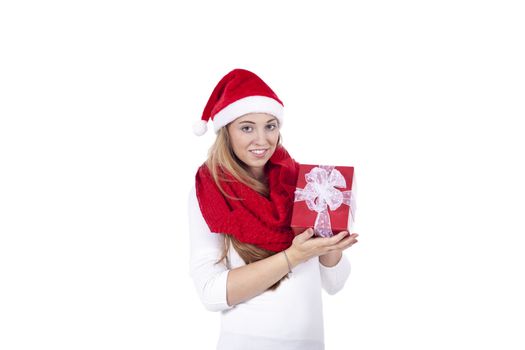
[245, 260]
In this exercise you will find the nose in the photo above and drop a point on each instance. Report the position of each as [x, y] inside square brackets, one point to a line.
[260, 137]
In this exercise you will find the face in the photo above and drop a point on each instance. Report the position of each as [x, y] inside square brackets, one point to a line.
[254, 138]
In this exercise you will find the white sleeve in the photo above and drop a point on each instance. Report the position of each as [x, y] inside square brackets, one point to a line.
[205, 249]
[334, 278]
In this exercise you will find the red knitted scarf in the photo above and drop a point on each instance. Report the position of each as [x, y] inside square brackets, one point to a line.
[257, 220]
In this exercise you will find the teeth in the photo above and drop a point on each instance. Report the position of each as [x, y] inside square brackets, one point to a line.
[258, 151]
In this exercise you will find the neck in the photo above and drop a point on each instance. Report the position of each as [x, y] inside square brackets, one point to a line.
[261, 177]
[259, 174]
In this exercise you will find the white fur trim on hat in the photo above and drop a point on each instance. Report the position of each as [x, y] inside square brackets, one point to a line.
[250, 104]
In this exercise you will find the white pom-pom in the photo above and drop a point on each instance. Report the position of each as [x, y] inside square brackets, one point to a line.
[200, 127]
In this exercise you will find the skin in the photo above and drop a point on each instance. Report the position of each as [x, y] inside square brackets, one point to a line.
[256, 131]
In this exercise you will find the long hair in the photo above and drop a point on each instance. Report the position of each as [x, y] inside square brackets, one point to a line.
[222, 158]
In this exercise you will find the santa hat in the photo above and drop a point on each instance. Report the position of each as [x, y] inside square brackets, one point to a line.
[238, 93]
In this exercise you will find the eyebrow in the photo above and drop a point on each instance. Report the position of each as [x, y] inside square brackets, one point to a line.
[250, 122]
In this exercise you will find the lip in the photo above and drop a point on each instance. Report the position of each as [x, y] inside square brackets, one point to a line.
[262, 155]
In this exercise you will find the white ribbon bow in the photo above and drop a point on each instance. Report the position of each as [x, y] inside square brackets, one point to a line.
[320, 193]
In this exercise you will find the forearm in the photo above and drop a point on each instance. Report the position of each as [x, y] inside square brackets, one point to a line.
[250, 280]
[331, 259]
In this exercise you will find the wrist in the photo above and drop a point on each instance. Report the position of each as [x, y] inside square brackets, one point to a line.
[331, 259]
[292, 257]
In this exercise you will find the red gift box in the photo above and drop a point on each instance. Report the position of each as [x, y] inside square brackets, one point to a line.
[324, 199]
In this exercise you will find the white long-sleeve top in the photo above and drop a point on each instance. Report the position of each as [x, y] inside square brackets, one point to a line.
[290, 317]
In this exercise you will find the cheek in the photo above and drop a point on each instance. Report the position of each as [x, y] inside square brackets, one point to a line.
[275, 138]
[238, 141]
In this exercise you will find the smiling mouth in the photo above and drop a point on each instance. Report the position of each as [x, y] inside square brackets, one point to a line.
[258, 151]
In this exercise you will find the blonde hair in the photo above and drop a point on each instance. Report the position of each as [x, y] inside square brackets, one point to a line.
[221, 157]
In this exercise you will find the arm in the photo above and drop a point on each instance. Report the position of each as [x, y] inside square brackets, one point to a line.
[331, 259]
[335, 269]
[205, 249]
[250, 280]
[218, 287]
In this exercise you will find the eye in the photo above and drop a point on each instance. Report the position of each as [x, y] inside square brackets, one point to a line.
[271, 127]
[246, 128]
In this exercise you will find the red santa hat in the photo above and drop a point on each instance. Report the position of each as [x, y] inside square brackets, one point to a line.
[238, 93]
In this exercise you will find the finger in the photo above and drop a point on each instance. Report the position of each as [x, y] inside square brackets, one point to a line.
[306, 235]
[346, 243]
[353, 235]
[332, 241]
[338, 237]
[350, 244]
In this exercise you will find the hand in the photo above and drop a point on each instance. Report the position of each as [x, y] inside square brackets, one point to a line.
[333, 257]
[305, 247]
[351, 240]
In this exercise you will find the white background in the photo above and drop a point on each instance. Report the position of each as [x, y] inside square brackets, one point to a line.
[97, 156]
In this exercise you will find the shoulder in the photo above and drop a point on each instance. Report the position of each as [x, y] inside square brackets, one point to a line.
[203, 170]
[203, 179]
[202, 176]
